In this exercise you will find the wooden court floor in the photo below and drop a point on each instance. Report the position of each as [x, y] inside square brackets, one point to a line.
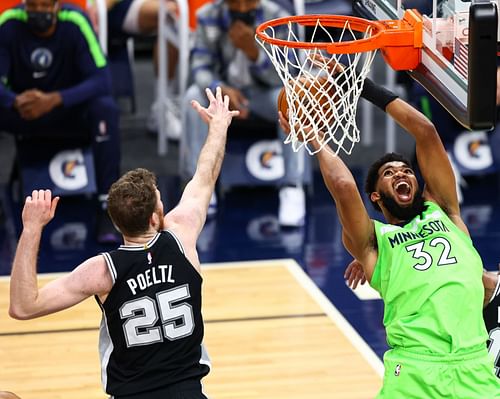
[270, 333]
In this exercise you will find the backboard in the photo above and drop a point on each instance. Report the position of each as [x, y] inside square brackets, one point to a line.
[459, 55]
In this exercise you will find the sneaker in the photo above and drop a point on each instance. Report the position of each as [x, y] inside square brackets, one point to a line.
[292, 208]
[212, 205]
[174, 123]
[152, 120]
[292, 240]
[172, 117]
[106, 231]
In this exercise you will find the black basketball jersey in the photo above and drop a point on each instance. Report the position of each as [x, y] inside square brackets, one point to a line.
[152, 329]
[491, 315]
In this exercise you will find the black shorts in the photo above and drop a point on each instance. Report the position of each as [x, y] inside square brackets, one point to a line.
[189, 389]
[116, 17]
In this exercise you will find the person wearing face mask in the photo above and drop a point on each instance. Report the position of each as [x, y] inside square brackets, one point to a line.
[225, 53]
[53, 78]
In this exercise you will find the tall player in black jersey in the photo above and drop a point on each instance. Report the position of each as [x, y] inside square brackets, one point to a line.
[149, 289]
[491, 314]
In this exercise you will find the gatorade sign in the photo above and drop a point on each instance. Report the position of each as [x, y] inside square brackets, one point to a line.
[264, 160]
[64, 171]
[472, 153]
[68, 171]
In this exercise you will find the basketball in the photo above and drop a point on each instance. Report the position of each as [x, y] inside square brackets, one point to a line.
[282, 103]
[308, 93]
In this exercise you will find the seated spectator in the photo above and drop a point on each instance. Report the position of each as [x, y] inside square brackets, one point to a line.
[54, 78]
[128, 18]
[226, 54]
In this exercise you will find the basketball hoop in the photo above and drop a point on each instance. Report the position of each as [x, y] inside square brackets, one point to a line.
[336, 68]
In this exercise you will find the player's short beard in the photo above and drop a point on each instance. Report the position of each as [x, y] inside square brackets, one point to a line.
[161, 217]
[403, 213]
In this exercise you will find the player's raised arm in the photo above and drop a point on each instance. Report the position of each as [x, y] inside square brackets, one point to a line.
[39, 209]
[431, 155]
[433, 161]
[188, 217]
[357, 227]
[27, 301]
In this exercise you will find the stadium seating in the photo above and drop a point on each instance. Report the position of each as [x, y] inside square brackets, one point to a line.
[51, 160]
[6, 4]
[176, 29]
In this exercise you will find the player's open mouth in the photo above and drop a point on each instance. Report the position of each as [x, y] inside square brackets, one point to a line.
[403, 190]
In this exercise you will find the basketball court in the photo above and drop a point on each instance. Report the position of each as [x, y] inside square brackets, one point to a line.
[280, 321]
[270, 332]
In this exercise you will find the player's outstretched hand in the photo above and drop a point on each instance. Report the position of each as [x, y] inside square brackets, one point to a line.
[39, 209]
[354, 274]
[218, 106]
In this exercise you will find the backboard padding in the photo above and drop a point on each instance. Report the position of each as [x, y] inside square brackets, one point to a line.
[462, 77]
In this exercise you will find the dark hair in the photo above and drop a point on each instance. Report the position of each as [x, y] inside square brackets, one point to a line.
[54, 2]
[132, 200]
[372, 176]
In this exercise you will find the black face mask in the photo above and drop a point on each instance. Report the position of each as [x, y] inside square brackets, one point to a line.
[246, 17]
[40, 21]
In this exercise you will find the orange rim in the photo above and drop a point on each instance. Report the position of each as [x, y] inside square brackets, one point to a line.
[399, 33]
[333, 21]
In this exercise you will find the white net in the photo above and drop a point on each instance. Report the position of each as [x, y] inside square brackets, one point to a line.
[322, 89]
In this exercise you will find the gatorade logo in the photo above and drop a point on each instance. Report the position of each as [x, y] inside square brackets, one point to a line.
[264, 160]
[264, 228]
[67, 170]
[472, 151]
[69, 237]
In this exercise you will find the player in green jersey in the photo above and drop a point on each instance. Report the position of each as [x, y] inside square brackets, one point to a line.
[354, 275]
[422, 262]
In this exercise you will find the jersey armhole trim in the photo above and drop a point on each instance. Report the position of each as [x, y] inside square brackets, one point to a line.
[181, 248]
[496, 291]
[111, 266]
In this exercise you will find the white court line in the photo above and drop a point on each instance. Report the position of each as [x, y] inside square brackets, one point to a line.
[365, 292]
[246, 264]
[344, 326]
[208, 266]
[304, 280]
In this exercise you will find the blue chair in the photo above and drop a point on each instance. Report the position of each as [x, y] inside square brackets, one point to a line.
[253, 156]
[51, 160]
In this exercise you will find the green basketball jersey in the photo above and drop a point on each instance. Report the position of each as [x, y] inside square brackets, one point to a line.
[429, 276]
